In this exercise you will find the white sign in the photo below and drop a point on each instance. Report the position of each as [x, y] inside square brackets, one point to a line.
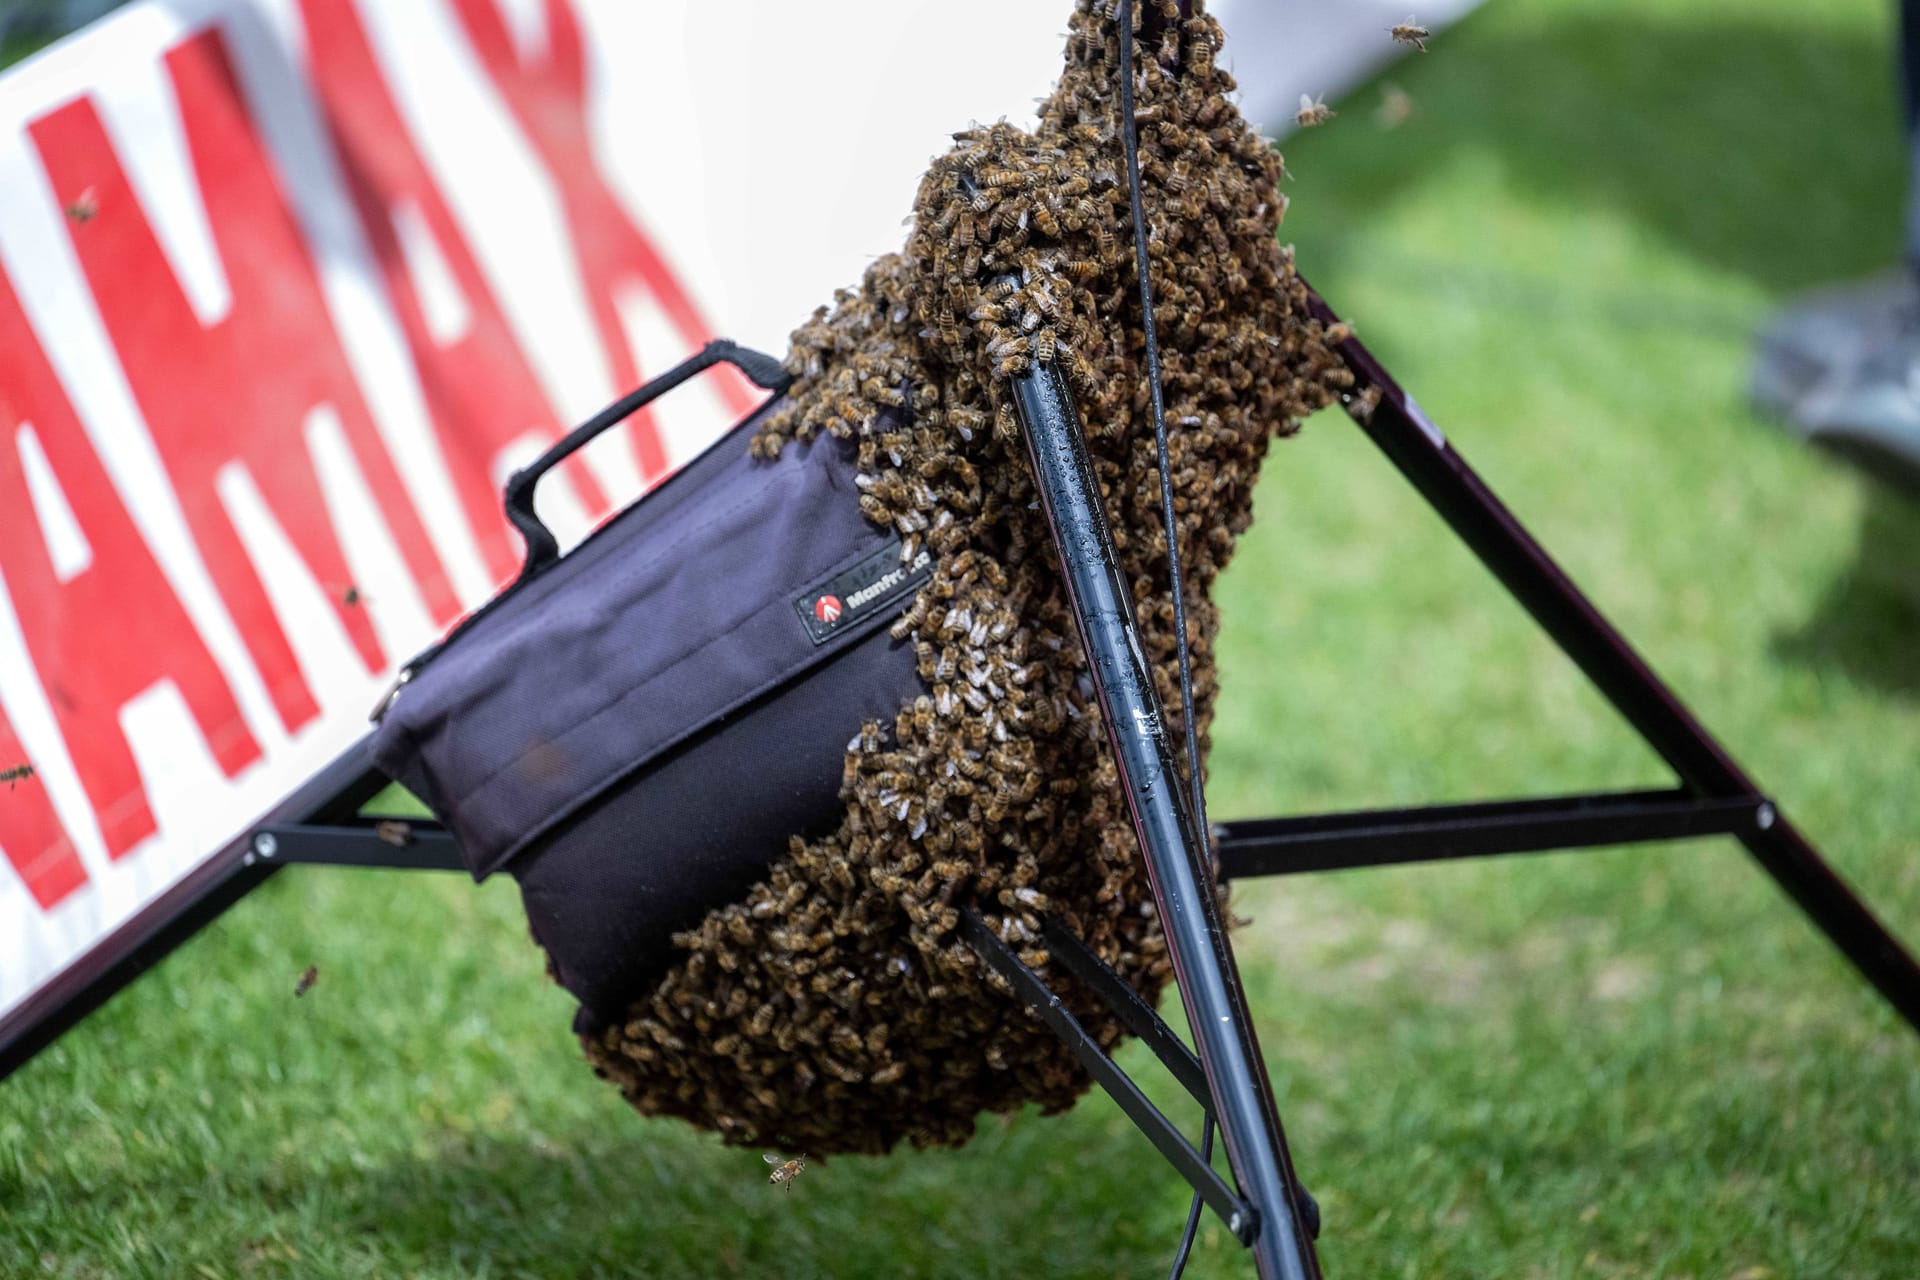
[289, 287]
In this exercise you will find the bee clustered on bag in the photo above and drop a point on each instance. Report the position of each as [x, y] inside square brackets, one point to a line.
[836, 1009]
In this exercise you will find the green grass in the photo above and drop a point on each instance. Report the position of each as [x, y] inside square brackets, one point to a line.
[1628, 1063]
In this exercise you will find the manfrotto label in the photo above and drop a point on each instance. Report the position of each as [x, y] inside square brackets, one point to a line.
[829, 607]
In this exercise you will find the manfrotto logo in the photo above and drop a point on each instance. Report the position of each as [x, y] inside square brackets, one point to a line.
[877, 582]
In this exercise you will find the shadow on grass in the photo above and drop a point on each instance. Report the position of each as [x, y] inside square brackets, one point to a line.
[1766, 148]
[1867, 625]
[1054, 1197]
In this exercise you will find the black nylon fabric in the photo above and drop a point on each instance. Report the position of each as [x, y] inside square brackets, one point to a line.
[695, 828]
[636, 733]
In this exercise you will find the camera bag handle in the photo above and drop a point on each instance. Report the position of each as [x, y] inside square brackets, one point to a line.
[543, 549]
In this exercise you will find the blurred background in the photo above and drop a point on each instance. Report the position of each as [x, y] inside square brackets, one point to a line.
[1564, 229]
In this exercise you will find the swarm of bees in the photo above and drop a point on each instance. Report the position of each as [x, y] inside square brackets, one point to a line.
[835, 1008]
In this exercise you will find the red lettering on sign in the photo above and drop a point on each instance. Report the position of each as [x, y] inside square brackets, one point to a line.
[480, 390]
[240, 388]
[30, 833]
[549, 100]
[107, 625]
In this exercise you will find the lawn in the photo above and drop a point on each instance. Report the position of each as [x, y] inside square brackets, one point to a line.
[1627, 1063]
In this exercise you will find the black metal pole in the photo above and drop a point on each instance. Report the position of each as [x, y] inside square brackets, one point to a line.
[336, 793]
[1421, 453]
[1175, 857]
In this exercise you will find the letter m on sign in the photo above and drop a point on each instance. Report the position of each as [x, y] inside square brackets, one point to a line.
[232, 396]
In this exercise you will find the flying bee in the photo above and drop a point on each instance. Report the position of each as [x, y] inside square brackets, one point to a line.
[1411, 32]
[84, 207]
[1313, 111]
[1395, 109]
[307, 979]
[785, 1171]
[14, 773]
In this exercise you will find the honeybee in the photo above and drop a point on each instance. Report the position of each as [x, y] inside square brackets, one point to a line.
[307, 979]
[397, 834]
[84, 207]
[1313, 111]
[785, 1171]
[915, 615]
[1396, 107]
[14, 773]
[1411, 32]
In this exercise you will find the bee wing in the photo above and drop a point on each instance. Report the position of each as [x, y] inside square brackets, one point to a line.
[771, 1158]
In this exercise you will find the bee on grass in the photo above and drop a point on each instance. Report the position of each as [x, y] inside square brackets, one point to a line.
[15, 773]
[1313, 111]
[307, 979]
[1411, 32]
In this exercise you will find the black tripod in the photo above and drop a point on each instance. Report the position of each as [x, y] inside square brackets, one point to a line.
[1264, 1206]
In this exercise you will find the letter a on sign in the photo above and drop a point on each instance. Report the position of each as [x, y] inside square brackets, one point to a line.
[100, 620]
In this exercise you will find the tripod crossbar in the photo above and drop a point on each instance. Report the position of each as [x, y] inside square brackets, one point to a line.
[1134, 1013]
[421, 846]
[1039, 998]
[1384, 837]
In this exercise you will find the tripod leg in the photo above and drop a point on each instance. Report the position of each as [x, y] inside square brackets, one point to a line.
[1176, 861]
[1421, 453]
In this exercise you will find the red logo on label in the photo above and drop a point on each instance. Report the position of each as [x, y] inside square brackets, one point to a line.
[827, 608]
